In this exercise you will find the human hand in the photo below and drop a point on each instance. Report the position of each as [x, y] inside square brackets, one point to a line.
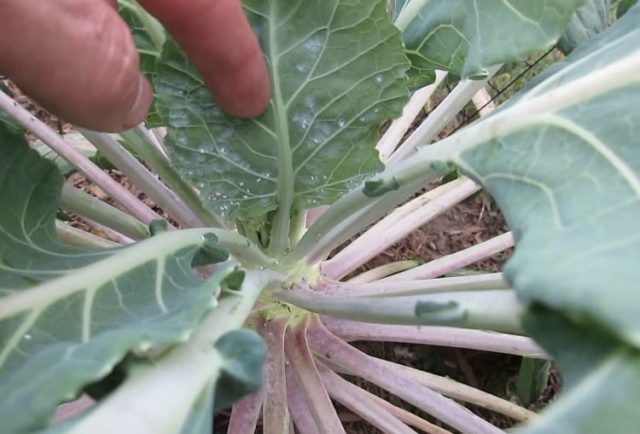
[77, 58]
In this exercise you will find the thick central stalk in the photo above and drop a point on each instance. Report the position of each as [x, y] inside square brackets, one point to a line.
[279, 241]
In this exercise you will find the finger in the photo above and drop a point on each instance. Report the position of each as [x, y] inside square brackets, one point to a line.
[77, 60]
[220, 42]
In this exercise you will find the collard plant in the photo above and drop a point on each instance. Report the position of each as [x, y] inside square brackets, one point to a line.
[233, 302]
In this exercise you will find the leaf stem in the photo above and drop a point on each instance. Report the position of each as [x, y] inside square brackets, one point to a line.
[496, 310]
[384, 271]
[399, 127]
[404, 415]
[349, 395]
[275, 414]
[101, 212]
[436, 335]
[302, 418]
[279, 240]
[308, 378]
[397, 225]
[325, 344]
[245, 414]
[82, 163]
[464, 393]
[441, 116]
[455, 261]
[356, 210]
[142, 178]
[76, 237]
[383, 288]
[139, 139]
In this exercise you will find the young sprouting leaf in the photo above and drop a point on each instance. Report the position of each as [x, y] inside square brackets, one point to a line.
[563, 163]
[591, 19]
[69, 315]
[465, 37]
[338, 70]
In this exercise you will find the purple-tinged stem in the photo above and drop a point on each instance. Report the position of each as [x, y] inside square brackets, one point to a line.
[245, 414]
[405, 416]
[399, 127]
[349, 395]
[417, 287]
[399, 413]
[384, 270]
[397, 225]
[302, 418]
[275, 415]
[328, 346]
[82, 163]
[302, 364]
[455, 261]
[142, 178]
[436, 335]
[464, 393]
[439, 118]
[72, 409]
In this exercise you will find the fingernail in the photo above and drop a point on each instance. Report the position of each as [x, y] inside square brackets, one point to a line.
[138, 111]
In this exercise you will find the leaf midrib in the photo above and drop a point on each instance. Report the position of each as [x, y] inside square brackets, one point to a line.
[285, 184]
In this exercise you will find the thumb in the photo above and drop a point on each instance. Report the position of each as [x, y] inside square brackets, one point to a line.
[77, 59]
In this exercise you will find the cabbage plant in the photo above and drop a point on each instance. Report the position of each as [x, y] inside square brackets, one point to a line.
[246, 296]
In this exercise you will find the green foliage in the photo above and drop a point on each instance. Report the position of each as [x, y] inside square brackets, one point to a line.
[592, 18]
[244, 352]
[466, 37]
[562, 162]
[69, 315]
[338, 71]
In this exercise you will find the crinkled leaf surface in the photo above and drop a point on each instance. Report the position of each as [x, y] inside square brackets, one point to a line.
[563, 163]
[467, 36]
[591, 19]
[338, 70]
[67, 315]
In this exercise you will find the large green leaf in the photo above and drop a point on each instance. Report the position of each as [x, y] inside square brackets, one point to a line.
[591, 19]
[601, 387]
[563, 162]
[465, 37]
[178, 391]
[338, 70]
[68, 315]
